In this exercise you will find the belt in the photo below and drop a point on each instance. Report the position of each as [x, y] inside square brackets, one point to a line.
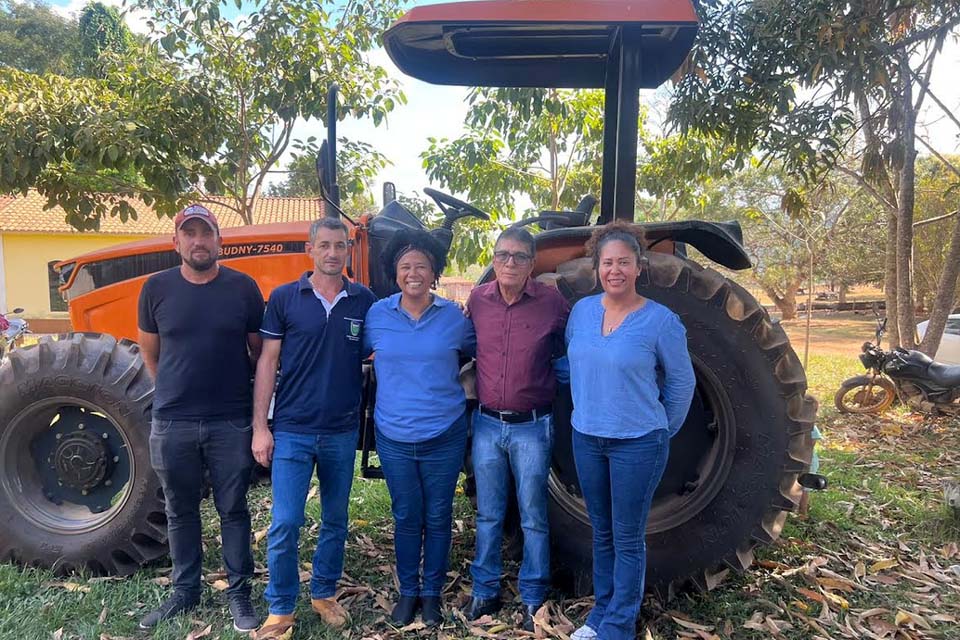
[516, 417]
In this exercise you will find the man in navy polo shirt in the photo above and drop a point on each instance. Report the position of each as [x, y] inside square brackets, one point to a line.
[313, 331]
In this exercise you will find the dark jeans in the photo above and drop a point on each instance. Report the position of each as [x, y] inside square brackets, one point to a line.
[180, 450]
[500, 448]
[422, 478]
[618, 478]
[295, 456]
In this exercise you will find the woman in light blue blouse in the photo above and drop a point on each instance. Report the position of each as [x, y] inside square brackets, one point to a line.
[418, 338]
[618, 345]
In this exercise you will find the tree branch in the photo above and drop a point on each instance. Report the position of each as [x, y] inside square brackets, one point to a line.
[936, 219]
[940, 30]
[866, 185]
[938, 155]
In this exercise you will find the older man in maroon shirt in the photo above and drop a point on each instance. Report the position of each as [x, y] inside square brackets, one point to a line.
[520, 324]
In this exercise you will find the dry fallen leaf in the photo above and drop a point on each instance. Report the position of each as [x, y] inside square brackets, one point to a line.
[196, 634]
[58, 634]
[693, 626]
[859, 570]
[837, 584]
[259, 535]
[880, 565]
[943, 617]
[220, 585]
[163, 581]
[69, 586]
[103, 616]
[904, 618]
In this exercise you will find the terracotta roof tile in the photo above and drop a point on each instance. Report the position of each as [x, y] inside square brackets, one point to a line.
[26, 215]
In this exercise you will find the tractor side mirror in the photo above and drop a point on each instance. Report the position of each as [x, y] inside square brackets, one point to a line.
[389, 193]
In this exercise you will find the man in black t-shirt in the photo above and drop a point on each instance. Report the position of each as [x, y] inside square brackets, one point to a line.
[199, 325]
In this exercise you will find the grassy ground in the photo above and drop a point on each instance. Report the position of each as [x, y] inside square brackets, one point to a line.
[877, 556]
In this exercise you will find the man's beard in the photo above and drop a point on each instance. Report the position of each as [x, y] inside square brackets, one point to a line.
[198, 264]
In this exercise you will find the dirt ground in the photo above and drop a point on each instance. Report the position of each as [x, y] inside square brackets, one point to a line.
[831, 332]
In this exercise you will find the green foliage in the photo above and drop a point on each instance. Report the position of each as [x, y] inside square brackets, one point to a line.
[101, 29]
[139, 133]
[358, 163]
[784, 221]
[210, 106]
[544, 144]
[781, 76]
[272, 66]
[36, 40]
[937, 191]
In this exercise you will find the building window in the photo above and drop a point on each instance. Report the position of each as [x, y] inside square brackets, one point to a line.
[57, 303]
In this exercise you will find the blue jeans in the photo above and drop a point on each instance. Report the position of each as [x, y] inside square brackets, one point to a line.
[180, 450]
[499, 448]
[422, 478]
[295, 456]
[618, 478]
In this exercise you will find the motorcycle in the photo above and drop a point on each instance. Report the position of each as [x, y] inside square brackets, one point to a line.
[912, 376]
[12, 331]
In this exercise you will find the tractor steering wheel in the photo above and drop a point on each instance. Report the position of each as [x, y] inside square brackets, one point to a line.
[453, 208]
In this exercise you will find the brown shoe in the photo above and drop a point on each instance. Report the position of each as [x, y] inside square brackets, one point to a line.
[330, 611]
[275, 627]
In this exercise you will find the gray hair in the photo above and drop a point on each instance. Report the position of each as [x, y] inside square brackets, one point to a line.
[521, 235]
[334, 224]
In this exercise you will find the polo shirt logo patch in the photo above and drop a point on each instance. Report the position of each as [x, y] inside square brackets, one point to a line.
[353, 329]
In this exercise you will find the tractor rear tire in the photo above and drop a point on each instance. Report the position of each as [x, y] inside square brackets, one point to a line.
[733, 468]
[76, 487]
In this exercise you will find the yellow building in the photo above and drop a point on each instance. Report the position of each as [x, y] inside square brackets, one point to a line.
[32, 240]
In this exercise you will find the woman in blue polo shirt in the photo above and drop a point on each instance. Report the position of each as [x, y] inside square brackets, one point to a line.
[418, 338]
[632, 382]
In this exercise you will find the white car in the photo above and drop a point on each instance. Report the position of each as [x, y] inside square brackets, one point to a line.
[949, 350]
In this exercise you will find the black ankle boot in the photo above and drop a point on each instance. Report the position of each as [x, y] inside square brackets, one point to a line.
[479, 607]
[430, 610]
[404, 610]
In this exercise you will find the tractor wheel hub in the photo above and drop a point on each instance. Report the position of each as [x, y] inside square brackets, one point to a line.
[81, 460]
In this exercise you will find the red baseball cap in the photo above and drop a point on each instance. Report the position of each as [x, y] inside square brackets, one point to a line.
[196, 211]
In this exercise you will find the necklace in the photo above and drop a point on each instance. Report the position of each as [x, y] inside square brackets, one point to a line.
[612, 319]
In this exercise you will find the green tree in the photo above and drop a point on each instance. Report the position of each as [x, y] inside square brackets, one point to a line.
[101, 29]
[358, 164]
[64, 136]
[799, 80]
[544, 144]
[212, 107]
[36, 40]
[937, 204]
[798, 235]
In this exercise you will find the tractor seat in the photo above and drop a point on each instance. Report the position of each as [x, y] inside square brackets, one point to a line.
[945, 375]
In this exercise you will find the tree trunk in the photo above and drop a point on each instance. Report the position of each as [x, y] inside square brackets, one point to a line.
[890, 280]
[786, 302]
[945, 299]
[907, 192]
[842, 295]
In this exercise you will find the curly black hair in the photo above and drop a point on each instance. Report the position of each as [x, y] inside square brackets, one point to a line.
[630, 234]
[406, 240]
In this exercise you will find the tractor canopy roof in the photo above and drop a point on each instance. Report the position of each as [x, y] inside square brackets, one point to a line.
[539, 43]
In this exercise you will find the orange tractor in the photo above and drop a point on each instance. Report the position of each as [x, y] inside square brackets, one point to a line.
[76, 486]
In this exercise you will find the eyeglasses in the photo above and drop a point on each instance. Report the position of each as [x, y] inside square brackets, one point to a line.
[519, 259]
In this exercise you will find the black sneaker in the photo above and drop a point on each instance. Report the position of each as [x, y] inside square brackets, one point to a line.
[244, 615]
[177, 603]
